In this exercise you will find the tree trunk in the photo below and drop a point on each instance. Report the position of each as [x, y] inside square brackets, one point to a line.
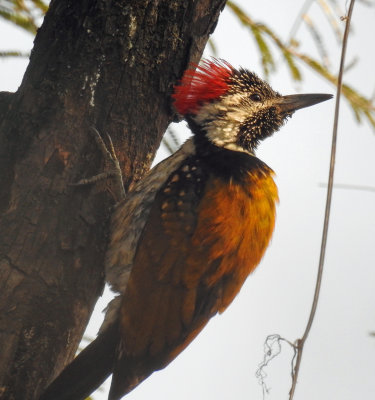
[108, 64]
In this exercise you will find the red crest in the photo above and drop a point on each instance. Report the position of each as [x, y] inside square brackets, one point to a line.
[201, 83]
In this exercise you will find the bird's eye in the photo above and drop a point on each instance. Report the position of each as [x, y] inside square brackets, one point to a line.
[256, 97]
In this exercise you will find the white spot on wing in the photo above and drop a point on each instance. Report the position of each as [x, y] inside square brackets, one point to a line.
[128, 221]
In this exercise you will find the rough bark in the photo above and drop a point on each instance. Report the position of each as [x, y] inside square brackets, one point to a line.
[111, 64]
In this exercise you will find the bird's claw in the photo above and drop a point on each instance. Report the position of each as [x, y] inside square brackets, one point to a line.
[112, 166]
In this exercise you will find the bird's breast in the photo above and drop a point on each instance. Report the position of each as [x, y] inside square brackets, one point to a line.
[234, 226]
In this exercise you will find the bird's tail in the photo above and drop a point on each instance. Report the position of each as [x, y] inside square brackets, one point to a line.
[87, 371]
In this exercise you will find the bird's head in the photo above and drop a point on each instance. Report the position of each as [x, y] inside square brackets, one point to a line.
[234, 108]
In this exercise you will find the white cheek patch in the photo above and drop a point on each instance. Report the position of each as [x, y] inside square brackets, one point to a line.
[222, 119]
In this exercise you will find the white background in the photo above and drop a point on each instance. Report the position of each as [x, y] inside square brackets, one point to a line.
[339, 358]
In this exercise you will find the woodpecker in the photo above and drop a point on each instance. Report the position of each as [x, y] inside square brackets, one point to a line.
[185, 239]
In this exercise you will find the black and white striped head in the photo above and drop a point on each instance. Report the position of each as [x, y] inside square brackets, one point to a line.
[234, 108]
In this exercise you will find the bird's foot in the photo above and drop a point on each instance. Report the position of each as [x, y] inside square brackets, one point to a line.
[112, 172]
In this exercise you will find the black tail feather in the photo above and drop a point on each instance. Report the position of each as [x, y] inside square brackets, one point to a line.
[87, 371]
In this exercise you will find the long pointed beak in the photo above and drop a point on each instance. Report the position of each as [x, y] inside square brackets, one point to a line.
[288, 104]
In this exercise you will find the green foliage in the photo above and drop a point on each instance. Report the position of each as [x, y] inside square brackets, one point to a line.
[24, 14]
[255, 29]
[13, 53]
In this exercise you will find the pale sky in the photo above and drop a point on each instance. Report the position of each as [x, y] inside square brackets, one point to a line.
[339, 357]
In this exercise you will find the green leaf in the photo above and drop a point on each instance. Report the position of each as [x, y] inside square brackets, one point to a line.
[13, 53]
[293, 69]
[267, 60]
[19, 20]
[43, 6]
[268, 63]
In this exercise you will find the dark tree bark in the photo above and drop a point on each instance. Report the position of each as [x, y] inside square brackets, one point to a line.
[110, 64]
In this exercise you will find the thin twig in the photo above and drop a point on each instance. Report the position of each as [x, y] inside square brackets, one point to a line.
[297, 22]
[169, 137]
[349, 186]
[301, 342]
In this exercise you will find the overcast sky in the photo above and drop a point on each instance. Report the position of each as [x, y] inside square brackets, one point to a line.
[339, 358]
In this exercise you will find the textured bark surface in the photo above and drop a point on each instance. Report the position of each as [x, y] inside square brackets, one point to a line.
[111, 64]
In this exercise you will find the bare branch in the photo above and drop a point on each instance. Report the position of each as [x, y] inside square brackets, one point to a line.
[301, 342]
